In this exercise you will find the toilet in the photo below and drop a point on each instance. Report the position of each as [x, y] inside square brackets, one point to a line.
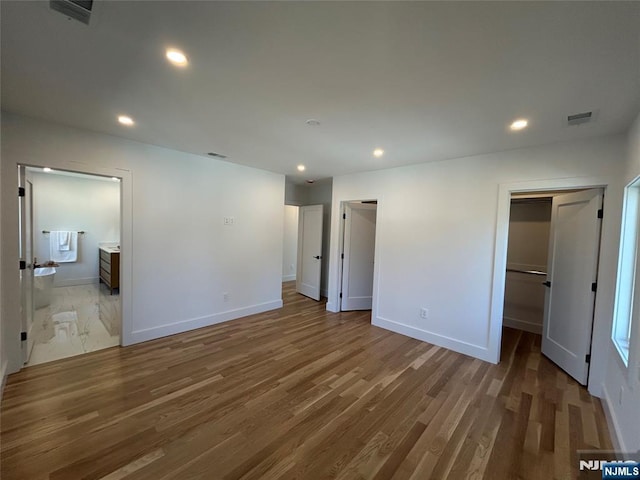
[65, 324]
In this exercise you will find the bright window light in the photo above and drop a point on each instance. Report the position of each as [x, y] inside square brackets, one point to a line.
[627, 271]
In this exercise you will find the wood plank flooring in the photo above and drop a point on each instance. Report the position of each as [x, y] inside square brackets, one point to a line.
[297, 393]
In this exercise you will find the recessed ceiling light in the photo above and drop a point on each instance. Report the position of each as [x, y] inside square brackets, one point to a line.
[176, 57]
[313, 122]
[378, 152]
[125, 120]
[519, 124]
[301, 168]
[46, 169]
[310, 181]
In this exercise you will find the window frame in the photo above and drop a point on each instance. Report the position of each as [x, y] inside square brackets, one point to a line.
[627, 297]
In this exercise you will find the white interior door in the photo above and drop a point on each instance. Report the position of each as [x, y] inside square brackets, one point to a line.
[309, 251]
[26, 274]
[359, 250]
[574, 243]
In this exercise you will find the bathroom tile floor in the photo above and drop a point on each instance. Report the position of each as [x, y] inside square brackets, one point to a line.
[90, 333]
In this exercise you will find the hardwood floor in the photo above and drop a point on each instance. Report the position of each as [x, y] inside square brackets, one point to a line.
[297, 393]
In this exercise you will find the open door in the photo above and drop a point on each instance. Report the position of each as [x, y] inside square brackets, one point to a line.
[26, 263]
[309, 251]
[358, 256]
[574, 244]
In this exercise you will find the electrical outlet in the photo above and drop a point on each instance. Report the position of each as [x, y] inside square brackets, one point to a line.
[424, 313]
[225, 296]
[229, 221]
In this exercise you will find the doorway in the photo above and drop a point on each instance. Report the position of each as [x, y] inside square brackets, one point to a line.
[70, 245]
[551, 272]
[358, 254]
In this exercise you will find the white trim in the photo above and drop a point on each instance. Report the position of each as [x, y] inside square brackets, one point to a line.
[199, 322]
[3, 379]
[612, 422]
[522, 325]
[465, 348]
[72, 282]
[288, 278]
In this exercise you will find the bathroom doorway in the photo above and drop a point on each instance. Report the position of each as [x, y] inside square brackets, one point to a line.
[70, 245]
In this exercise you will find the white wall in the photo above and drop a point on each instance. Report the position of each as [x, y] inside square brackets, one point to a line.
[621, 384]
[442, 235]
[4, 357]
[290, 245]
[73, 203]
[178, 258]
[295, 194]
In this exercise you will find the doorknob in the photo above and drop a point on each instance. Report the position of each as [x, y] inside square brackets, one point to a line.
[317, 257]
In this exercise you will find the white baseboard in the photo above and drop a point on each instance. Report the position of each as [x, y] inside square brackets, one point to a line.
[3, 372]
[522, 325]
[475, 351]
[144, 335]
[612, 422]
[331, 307]
[288, 278]
[72, 282]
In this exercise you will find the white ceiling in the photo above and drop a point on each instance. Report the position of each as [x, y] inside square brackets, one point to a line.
[425, 81]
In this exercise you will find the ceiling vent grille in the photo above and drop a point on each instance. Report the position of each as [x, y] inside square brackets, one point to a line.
[579, 118]
[77, 9]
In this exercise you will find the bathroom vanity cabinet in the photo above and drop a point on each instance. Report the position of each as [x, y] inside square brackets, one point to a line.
[110, 267]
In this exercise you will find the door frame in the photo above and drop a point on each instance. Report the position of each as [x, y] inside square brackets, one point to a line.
[343, 234]
[14, 349]
[500, 257]
[376, 260]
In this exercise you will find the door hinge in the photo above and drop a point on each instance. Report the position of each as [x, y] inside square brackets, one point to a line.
[587, 358]
[594, 286]
[23, 265]
[344, 216]
[23, 336]
[21, 192]
[342, 256]
[340, 294]
[547, 284]
[601, 213]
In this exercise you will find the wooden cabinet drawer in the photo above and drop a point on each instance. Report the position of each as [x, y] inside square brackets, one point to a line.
[110, 269]
[105, 256]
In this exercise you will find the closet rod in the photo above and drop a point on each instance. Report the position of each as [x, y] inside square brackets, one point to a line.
[81, 232]
[528, 272]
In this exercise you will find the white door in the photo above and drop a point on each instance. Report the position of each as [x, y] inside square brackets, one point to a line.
[358, 255]
[309, 251]
[26, 256]
[574, 243]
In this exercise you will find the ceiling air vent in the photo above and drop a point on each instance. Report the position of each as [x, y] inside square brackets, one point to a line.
[78, 9]
[216, 155]
[579, 118]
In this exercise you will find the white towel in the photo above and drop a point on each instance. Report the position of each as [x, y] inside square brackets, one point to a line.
[64, 239]
[63, 256]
